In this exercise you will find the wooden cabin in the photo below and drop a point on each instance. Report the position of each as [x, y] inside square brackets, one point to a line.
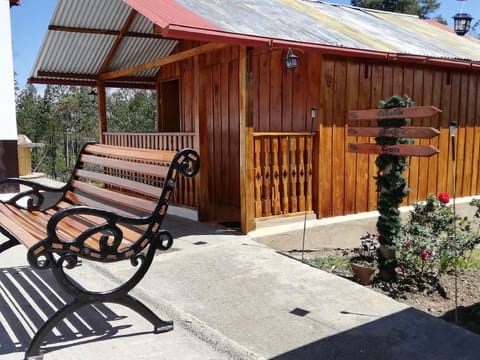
[218, 68]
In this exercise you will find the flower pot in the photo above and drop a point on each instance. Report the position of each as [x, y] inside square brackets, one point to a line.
[364, 273]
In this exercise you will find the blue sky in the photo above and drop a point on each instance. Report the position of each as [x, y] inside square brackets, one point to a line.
[30, 21]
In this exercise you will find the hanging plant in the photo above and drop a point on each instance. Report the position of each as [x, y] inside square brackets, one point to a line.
[392, 188]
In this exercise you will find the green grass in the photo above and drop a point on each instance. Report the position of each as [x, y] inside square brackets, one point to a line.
[339, 262]
[471, 261]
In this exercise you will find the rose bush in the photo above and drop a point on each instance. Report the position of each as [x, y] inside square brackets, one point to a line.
[435, 238]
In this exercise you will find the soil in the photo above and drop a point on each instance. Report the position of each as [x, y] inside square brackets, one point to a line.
[436, 297]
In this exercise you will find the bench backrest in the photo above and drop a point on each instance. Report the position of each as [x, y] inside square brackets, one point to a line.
[128, 181]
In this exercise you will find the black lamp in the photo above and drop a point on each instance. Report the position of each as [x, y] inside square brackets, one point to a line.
[92, 95]
[313, 113]
[462, 23]
[291, 60]
[452, 126]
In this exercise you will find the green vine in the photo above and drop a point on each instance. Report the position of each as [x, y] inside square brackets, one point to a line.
[391, 185]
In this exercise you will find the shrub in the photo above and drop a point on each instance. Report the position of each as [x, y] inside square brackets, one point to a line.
[435, 238]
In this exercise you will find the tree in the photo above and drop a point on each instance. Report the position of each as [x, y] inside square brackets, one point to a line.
[475, 29]
[31, 118]
[131, 110]
[422, 8]
[63, 119]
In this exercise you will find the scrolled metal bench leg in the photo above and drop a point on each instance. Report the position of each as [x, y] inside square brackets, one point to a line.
[160, 326]
[33, 351]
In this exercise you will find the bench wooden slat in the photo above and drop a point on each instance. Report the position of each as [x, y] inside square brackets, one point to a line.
[22, 235]
[122, 200]
[27, 221]
[19, 230]
[139, 154]
[137, 167]
[127, 184]
[86, 201]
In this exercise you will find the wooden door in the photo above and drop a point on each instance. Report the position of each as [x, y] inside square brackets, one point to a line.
[169, 107]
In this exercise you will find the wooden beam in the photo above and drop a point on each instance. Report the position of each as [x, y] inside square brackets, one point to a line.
[247, 207]
[93, 83]
[102, 32]
[396, 150]
[102, 111]
[401, 132]
[163, 61]
[118, 41]
[394, 113]
[93, 77]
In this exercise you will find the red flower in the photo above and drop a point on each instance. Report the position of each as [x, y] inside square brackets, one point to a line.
[426, 255]
[443, 197]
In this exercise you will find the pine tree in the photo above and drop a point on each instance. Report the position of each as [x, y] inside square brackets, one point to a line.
[422, 8]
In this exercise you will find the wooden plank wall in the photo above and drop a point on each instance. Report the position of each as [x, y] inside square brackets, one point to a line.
[281, 102]
[349, 84]
[218, 115]
[336, 85]
[219, 92]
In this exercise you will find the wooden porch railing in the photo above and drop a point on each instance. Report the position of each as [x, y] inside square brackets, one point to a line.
[283, 173]
[161, 141]
[185, 188]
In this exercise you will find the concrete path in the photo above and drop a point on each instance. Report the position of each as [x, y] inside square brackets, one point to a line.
[230, 298]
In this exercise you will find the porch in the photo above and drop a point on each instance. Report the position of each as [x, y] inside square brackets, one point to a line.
[283, 168]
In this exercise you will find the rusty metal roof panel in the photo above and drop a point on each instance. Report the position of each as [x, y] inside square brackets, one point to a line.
[336, 25]
[270, 18]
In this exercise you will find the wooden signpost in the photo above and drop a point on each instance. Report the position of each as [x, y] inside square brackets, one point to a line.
[405, 132]
[395, 132]
[398, 150]
[394, 113]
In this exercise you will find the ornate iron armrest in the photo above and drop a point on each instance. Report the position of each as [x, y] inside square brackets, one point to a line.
[33, 198]
[108, 234]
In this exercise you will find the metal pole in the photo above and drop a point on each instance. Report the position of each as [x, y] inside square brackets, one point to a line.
[453, 129]
[312, 132]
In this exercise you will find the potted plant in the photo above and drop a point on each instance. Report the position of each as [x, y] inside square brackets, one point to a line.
[364, 260]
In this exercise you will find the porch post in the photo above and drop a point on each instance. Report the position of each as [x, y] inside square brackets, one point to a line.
[247, 206]
[102, 111]
[158, 104]
[200, 142]
[8, 137]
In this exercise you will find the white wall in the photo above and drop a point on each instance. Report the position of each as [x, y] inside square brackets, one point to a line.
[8, 121]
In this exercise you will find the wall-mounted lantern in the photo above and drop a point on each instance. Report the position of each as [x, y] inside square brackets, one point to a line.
[461, 23]
[291, 60]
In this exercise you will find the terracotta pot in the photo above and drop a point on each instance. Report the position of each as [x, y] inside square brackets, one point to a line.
[363, 273]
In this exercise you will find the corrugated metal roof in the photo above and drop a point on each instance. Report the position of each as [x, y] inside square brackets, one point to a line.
[81, 37]
[335, 25]
[70, 54]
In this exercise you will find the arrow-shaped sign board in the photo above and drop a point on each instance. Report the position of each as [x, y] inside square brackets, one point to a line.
[400, 132]
[397, 150]
[394, 113]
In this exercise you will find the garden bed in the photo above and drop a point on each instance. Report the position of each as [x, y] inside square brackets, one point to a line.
[437, 299]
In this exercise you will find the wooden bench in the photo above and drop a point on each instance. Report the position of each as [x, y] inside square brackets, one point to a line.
[111, 209]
